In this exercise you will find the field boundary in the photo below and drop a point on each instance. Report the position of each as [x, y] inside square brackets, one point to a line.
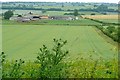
[105, 37]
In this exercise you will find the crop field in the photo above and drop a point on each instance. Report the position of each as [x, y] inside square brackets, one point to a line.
[104, 18]
[24, 41]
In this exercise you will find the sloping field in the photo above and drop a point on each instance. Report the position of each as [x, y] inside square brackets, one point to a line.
[24, 41]
[102, 16]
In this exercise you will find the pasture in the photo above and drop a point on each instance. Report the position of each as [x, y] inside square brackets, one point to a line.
[24, 41]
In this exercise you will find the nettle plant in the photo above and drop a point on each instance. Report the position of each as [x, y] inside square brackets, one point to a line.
[14, 69]
[2, 56]
[11, 69]
[50, 60]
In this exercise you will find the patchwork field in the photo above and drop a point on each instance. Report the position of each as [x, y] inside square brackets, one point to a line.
[24, 41]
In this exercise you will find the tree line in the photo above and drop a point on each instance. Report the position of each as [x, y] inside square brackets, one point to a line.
[101, 8]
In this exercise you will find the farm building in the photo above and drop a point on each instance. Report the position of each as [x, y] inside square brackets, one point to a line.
[14, 18]
[34, 17]
[44, 17]
[25, 18]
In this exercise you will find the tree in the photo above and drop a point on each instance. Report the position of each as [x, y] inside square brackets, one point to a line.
[110, 29]
[62, 5]
[102, 7]
[8, 14]
[76, 12]
[95, 5]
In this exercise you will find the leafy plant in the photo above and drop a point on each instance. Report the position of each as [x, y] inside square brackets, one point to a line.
[14, 70]
[50, 59]
[3, 56]
[8, 14]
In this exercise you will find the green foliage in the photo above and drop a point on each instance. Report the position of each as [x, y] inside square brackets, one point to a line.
[93, 14]
[68, 13]
[118, 34]
[102, 7]
[112, 32]
[8, 14]
[81, 68]
[100, 27]
[14, 70]
[3, 56]
[50, 59]
[110, 29]
[76, 12]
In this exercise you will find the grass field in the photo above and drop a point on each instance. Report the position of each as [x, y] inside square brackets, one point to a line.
[24, 41]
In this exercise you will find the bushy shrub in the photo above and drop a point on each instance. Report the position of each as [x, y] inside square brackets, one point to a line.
[50, 59]
[8, 14]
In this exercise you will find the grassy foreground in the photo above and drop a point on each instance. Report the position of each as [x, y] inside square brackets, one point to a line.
[50, 64]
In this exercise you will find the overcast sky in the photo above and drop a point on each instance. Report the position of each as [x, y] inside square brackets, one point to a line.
[109, 1]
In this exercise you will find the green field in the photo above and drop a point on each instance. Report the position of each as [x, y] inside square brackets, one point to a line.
[24, 41]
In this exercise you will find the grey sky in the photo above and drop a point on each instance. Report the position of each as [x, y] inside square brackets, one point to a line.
[109, 1]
